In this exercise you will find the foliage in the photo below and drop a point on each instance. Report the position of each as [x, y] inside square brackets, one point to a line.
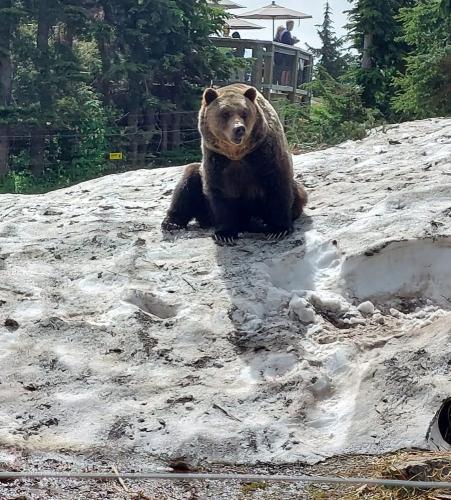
[330, 57]
[79, 153]
[250, 488]
[375, 30]
[81, 78]
[423, 90]
[84, 69]
[338, 116]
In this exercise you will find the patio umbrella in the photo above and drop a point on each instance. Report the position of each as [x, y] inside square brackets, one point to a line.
[241, 24]
[274, 11]
[226, 4]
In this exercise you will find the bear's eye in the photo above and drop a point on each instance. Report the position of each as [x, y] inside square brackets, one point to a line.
[244, 114]
[225, 115]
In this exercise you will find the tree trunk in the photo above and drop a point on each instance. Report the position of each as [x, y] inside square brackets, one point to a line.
[133, 143]
[132, 122]
[42, 44]
[104, 46]
[4, 150]
[6, 77]
[44, 90]
[149, 127]
[6, 69]
[65, 35]
[37, 152]
[164, 132]
[367, 62]
[104, 82]
[176, 134]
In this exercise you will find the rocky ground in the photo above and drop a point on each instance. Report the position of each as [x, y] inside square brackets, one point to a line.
[122, 345]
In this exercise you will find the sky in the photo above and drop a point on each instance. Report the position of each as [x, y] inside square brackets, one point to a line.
[304, 29]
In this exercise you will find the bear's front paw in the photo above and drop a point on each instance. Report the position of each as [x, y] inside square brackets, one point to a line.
[276, 234]
[227, 237]
[171, 225]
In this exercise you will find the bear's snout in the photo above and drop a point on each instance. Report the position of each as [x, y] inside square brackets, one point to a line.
[238, 133]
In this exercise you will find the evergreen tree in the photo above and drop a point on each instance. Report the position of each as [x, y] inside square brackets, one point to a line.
[72, 71]
[155, 55]
[424, 88]
[10, 15]
[329, 55]
[46, 12]
[375, 29]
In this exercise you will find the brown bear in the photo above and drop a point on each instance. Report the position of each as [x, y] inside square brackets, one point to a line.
[246, 171]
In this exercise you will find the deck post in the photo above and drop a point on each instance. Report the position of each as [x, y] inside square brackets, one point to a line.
[262, 72]
[257, 69]
[294, 76]
[268, 71]
[310, 77]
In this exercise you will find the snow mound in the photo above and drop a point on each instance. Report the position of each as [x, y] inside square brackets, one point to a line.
[118, 340]
[408, 269]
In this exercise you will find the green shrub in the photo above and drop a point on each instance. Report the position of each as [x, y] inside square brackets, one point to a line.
[336, 116]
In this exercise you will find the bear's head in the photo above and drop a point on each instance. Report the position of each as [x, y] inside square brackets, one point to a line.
[229, 118]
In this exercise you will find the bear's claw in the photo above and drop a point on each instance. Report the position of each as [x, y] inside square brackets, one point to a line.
[225, 238]
[277, 236]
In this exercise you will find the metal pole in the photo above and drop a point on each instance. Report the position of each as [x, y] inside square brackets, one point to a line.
[208, 476]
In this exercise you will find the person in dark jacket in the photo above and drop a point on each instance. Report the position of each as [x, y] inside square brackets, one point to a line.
[278, 58]
[239, 51]
[288, 39]
[239, 72]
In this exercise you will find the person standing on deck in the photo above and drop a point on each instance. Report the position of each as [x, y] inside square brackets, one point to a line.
[278, 58]
[239, 51]
[288, 39]
[239, 73]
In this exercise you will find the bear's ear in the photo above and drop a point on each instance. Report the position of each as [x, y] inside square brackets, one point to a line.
[209, 96]
[251, 93]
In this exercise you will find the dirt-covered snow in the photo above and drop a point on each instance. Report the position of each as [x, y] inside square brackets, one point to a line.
[120, 341]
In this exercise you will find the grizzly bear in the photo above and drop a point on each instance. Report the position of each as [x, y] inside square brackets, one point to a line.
[246, 172]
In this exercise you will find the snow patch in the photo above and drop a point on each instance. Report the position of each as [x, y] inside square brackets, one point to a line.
[307, 268]
[408, 269]
[157, 347]
[301, 309]
[366, 308]
[151, 303]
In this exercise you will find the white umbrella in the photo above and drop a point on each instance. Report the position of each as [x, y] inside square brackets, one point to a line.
[241, 24]
[274, 11]
[226, 4]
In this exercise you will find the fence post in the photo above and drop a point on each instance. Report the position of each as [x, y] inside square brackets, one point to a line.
[268, 70]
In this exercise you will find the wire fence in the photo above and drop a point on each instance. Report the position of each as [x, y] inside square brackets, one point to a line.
[119, 151]
[63, 135]
[137, 140]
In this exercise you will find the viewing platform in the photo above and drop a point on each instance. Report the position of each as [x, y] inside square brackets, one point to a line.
[264, 71]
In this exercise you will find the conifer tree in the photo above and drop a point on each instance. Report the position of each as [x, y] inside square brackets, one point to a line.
[423, 90]
[329, 55]
[375, 30]
[72, 72]
[10, 15]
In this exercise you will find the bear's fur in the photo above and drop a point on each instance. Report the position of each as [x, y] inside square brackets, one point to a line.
[188, 201]
[246, 170]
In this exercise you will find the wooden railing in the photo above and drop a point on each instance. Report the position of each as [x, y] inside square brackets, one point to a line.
[264, 67]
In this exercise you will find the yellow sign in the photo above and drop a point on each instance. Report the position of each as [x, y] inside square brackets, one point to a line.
[115, 156]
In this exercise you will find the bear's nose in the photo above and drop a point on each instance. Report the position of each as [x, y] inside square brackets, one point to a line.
[239, 131]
